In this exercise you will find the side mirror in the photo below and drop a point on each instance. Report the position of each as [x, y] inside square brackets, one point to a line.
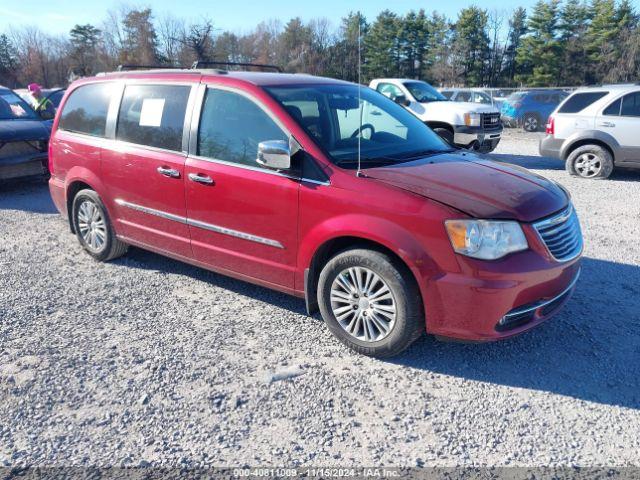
[274, 154]
[401, 100]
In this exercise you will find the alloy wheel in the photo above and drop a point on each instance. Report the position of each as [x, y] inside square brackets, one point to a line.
[92, 226]
[363, 304]
[588, 165]
[531, 124]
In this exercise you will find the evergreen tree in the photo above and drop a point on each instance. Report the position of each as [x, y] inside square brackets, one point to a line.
[471, 45]
[8, 62]
[414, 38]
[539, 56]
[572, 28]
[438, 66]
[382, 45]
[84, 42]
[517, 29]
[140, 43]
[601, 51]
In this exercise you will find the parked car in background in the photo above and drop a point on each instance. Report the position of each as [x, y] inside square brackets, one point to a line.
[318, 188]
[595, 130]
[530, 109]
[465, 125]
[23, 138]
[471, 95]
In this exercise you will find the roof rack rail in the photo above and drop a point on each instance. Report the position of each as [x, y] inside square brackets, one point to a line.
[124, 68]
[198, 64]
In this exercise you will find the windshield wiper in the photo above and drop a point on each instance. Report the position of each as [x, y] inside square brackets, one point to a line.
[368, 160]
[425, 153]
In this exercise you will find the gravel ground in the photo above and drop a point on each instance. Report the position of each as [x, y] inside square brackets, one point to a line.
[149, 361]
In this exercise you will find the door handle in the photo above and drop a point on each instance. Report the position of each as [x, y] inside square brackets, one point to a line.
[607, 124]
[169, 172]
[198, 177]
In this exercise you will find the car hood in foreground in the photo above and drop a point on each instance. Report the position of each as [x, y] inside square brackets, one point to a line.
[477, 186]
[20, 130]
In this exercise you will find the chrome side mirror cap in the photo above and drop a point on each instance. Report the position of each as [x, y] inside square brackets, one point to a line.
[274, 154]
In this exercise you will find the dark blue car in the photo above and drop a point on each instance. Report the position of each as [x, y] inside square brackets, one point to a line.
[530, 109]
[23, 138]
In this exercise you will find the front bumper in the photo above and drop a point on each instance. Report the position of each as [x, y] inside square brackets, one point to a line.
[478, 138]
[486, 301]
[511, 122]
[550, 146]
[23, 166]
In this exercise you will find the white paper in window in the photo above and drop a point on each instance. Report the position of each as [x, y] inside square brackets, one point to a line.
[151, 113]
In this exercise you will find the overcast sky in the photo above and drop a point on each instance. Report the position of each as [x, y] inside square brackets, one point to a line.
[235, 15]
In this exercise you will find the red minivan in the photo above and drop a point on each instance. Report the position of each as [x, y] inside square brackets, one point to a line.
[318, 188]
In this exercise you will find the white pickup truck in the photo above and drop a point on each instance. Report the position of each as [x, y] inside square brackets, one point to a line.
[465, 125]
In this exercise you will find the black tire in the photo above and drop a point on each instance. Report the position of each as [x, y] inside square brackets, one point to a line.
[590, 162]
[409, 321]
[445, 133]
[110, 247]
[531, 122]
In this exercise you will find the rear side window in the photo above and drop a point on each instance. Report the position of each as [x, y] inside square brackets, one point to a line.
[613, 109]
[153, 115]
[85, 111]
[578, 102]
[631, 105]
[232, 126]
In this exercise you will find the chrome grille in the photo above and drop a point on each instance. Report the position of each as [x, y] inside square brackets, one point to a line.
[490, 120]
[562, 235]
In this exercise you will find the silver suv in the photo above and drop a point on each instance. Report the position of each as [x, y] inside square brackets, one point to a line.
[595, 129]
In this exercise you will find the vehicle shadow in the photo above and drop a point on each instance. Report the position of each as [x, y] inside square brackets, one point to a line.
[532, 162]
[29, 195]
[589, 351]
[143, 259]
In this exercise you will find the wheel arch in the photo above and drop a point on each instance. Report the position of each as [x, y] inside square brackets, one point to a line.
[79, 179]
[382, 236]
[592, 137]
[433, 125]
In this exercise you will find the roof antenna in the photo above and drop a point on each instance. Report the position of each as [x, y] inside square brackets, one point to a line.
[358, 172]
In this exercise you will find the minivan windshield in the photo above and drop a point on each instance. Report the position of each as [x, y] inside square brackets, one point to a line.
[423, 92]
[338, 120]
[12, 107]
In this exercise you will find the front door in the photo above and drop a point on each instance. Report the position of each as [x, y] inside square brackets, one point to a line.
[143, 168]
[242, 217]
[621, 120]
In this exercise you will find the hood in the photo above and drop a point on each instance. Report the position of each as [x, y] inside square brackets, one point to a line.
[463, 107]
[477, 186]
[20, 130]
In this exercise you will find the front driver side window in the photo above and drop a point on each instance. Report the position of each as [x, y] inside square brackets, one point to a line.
[232, 126]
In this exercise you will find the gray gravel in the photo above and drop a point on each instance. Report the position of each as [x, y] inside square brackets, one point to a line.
[147, 361]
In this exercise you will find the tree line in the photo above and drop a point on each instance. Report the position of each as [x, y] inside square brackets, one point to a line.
[556, 43]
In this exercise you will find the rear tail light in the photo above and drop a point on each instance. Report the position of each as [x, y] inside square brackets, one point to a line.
[551, 126]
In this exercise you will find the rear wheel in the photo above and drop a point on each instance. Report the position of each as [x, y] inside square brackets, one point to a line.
[370, 302]
[531, 122]
[590, 161]
[93, 227]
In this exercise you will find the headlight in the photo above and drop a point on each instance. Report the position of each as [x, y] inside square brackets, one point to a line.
[486, 239]
[472, 119]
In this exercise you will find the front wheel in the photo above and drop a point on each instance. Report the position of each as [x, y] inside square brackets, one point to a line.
[371, 302]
